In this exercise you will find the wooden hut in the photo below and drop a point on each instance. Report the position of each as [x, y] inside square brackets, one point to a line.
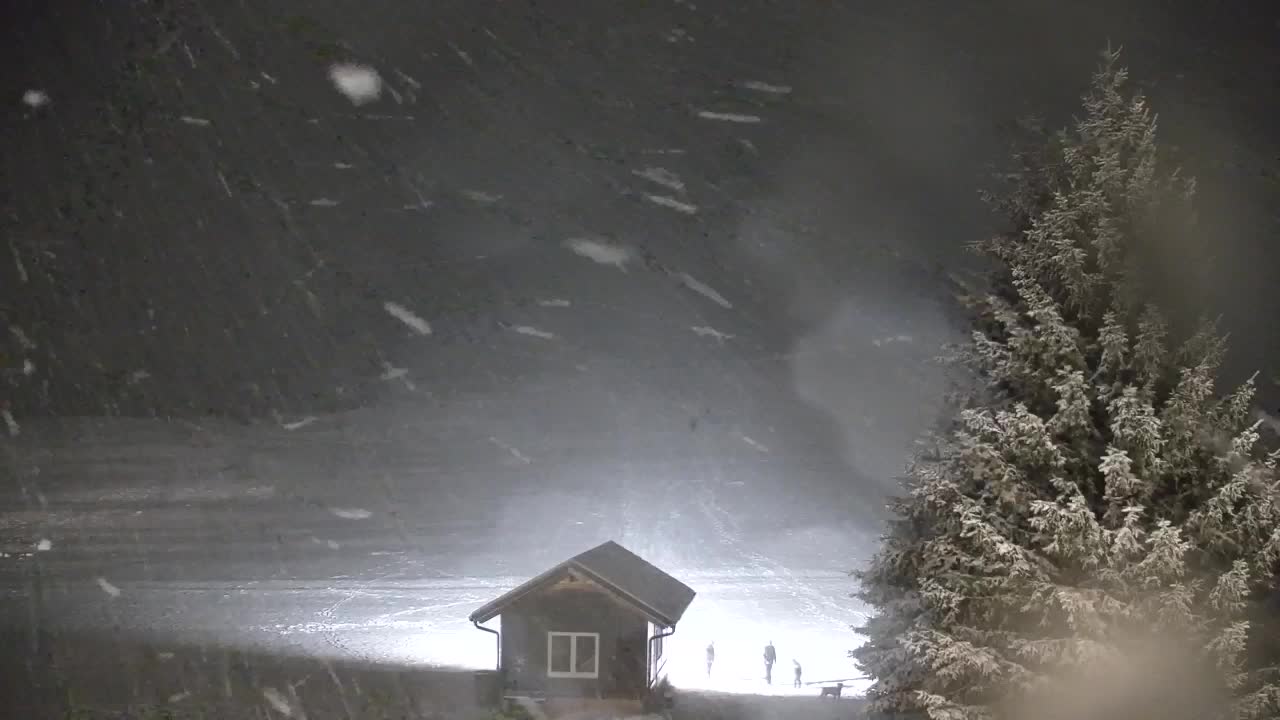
[588, 633]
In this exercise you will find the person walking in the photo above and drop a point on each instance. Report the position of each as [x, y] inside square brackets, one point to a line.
[798, 671]
[770, 657]
[711, 656]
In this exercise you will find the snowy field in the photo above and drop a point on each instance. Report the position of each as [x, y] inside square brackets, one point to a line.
[423, 624]
[285, 561]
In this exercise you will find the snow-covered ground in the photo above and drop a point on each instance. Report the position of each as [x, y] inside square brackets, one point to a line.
[405, 623]
[277, 557]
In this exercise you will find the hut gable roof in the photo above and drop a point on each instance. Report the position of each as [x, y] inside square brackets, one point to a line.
[653, 593]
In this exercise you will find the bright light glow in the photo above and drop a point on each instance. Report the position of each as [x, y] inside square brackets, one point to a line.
[821, 648]
[460, 646]
[423, 623]
[819, 637]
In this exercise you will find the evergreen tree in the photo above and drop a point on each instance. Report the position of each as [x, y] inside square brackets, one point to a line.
[1098, 493]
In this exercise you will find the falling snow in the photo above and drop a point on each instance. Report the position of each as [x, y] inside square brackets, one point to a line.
[10, 423]
[554, 303]
[764, 87]
[705, 290]
[1269, 420]
[406, 316]
[198, 121]
[108, 588]
[601, 252]
[324, 202]
[411, 82]
[462, 55]
[754, 444]
[674, 204]
[21, 336]
[707, 331]
[661, 176]
[514, 452]
[23, 277]
[277, 701]
[45, 545]
[351, 513]
[226, 43]
[533, 332]
[360, 83]
[728, 117]
[35, 98]
[299, 424]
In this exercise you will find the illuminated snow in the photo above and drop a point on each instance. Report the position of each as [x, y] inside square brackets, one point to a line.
[705, 290]
[408, 317]
[277, 701]
[820, 644]
[662, 177]
[804, 621]
[672, 203]
[10, 422]
[299, 424]
[728, 117]
[708, 331]
[533, 332]
[360, 83]
[764, 87]
[35, 98]
[601, 252]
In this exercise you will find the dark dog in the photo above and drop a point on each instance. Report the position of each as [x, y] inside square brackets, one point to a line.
[832, 691]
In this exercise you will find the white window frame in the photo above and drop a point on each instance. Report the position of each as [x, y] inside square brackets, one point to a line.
[573, 655]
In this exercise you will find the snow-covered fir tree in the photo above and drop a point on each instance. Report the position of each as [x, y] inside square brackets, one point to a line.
[1099, 496]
